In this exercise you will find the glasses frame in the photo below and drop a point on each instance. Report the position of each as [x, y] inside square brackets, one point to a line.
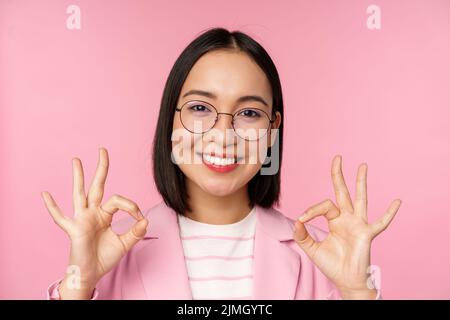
[178, 109]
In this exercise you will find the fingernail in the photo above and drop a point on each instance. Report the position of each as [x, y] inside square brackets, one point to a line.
[302, 217]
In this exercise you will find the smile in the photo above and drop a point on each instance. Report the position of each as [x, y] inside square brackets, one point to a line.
[220, 164]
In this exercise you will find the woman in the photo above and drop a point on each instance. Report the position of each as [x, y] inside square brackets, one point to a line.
[216, 235]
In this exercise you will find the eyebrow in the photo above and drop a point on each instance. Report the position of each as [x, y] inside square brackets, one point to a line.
[213, 96]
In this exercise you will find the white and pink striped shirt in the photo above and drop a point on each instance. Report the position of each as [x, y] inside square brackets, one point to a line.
[219, 258]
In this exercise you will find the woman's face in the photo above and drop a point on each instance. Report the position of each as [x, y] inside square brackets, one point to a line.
[226, 76]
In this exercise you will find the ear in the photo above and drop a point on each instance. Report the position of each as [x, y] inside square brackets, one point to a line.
[273, 133]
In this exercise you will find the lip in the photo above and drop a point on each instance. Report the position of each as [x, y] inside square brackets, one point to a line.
[219, 168]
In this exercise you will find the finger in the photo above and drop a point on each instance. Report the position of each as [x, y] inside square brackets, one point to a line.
[304, 239]
[361, 192]
[325, 208]
[79, 197]
[97, 187]
[386, 219]
[340, 188]
[117, 202]
[136, 233]
[55, 212]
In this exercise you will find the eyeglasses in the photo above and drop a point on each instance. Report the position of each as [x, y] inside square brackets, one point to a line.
[249, 123]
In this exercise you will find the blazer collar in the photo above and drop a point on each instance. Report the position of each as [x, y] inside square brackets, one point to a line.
[163, 270]
[270, 221]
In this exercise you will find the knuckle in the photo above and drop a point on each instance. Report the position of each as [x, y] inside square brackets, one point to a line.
[307, 212]
[134, 207]
[103, 164]
[310, 243]
[336, 173]
[116, 198]
[134, 234]
[302, 241]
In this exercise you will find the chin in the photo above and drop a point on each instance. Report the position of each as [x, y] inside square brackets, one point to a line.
[218, 188]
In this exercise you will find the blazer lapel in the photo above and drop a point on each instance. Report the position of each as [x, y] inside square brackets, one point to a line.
[276, 265]
[160, 257]
[162, 268]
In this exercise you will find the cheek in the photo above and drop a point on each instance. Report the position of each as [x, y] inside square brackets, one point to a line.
[183, 151]
[256, 152]
[176, 124]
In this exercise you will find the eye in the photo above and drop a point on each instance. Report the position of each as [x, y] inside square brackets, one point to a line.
[249, 113]
[199, 108]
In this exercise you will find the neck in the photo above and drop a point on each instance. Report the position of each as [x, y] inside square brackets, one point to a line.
[213, 209]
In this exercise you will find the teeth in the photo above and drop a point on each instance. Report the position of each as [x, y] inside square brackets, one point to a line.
[218, 161]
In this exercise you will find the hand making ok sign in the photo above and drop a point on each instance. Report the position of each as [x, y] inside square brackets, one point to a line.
[344, 255]
[95, 247]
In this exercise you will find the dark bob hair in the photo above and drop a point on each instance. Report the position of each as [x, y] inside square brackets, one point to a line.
[263, 190]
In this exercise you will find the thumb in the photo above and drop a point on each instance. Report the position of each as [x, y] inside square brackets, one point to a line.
[304, 239]
[135, 234]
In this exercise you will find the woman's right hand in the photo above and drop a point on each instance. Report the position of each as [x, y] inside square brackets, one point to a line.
[95, 248]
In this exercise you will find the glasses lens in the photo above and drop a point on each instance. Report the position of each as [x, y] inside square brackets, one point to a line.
[198, 117]
[251, 124]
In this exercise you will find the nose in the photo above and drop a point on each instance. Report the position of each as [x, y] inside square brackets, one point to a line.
[223, 132]
[224, 121]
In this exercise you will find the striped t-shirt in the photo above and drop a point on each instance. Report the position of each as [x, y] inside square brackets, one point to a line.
[219, 258]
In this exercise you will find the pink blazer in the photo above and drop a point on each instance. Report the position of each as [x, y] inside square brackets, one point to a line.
[155, 268]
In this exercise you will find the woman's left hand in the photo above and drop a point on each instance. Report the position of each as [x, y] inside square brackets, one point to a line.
[344, 255]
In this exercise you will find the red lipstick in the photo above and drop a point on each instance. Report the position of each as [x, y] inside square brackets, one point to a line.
[219, 168]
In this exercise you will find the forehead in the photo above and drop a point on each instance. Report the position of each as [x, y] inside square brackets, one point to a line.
[228, 74]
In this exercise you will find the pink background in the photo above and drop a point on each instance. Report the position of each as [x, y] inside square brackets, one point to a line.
[375, 96]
